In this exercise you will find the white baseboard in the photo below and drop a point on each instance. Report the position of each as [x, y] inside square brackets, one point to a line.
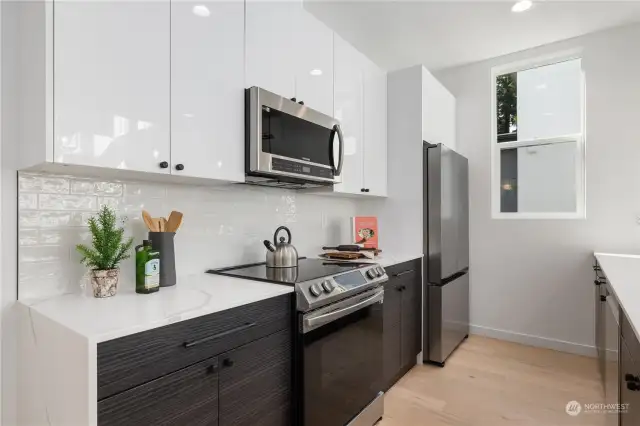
[541, 342]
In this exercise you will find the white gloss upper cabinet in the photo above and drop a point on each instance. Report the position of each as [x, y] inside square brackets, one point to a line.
[375, 130]
[349, 110]
[111, 84]
[314, 63]
[207, 90]
[271, 42]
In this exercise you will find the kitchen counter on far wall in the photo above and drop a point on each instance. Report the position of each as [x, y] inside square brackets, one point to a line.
[623, 273]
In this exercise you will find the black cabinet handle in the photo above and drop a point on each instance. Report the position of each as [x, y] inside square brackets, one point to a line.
[631, 378]
[362, 190]
[179, 166]
[598, 282]
[164, 165]
[366, 190]
[596, 268]
[401, 288]
[212, 369]
[603, 298]
[403, 273]
[294, 99]
[301, 102]
[219, 335]
[228, 362]
[633, 386]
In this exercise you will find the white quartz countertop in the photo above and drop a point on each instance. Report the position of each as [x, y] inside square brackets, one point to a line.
[623, 273]
[127, 313]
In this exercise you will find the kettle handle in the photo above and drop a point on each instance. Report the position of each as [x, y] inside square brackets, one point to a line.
[275, 235]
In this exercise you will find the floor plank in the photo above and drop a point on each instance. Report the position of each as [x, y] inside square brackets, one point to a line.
[489, 382]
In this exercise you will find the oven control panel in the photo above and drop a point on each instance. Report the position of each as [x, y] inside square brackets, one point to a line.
[323, 291]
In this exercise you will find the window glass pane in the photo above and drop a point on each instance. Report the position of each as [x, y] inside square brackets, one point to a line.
[539, 179]
[549, 100]
[507, 97]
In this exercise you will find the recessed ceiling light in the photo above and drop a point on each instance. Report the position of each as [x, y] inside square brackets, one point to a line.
[522, 5]
[201, 10]
[315, 72]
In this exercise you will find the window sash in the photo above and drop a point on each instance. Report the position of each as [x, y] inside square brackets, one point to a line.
[497, 147]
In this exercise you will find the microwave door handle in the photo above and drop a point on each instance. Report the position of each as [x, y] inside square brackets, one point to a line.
[338, 130]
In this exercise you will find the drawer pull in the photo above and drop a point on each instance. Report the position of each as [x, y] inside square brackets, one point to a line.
[404, 273]
[219, 335]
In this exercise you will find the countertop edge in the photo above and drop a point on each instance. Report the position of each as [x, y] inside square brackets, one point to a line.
[598, 256]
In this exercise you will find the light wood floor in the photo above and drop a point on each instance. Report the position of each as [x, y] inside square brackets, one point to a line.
[489, 382]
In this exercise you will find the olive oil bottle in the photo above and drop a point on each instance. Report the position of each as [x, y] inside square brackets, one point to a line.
[147, 268]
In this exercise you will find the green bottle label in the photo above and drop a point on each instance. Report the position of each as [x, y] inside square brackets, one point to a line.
[152, 273]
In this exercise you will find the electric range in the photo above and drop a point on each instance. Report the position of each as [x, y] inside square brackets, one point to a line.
[317, 282]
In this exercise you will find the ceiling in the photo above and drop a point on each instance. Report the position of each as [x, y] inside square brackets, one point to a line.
[446, 33]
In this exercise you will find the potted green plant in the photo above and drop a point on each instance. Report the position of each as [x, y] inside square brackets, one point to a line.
[107, 250]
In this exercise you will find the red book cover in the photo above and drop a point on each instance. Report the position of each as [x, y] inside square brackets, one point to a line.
[365, 231]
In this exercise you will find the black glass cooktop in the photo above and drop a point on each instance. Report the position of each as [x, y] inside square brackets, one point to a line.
[308, 269]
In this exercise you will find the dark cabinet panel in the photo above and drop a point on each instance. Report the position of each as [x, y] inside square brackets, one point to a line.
[629, 387]
[392, 331]
[402, 319]
[186, 397]
[256, 382]
[133, 360]
[411, 321]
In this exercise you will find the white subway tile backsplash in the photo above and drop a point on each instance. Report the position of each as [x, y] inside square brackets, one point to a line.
[223, 225]
[44, 184]
[67, 202]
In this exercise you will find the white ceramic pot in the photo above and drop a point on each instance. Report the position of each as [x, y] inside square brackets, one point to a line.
[105, 283]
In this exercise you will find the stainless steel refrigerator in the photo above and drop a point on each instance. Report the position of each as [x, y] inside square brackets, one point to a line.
[446, 252]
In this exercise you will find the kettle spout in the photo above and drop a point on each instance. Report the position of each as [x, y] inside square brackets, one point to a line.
[269, 245]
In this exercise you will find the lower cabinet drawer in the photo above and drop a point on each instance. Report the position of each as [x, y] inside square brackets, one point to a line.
[186, 397]
[136, 359]
[406, 270]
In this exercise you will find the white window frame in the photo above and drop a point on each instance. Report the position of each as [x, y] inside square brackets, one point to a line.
[496, 147]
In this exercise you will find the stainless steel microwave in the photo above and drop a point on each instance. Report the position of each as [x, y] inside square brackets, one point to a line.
[288, 144]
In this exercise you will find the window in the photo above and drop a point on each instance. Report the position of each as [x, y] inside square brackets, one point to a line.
[538, 140]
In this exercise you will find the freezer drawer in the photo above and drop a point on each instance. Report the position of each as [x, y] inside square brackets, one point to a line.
[448, 313]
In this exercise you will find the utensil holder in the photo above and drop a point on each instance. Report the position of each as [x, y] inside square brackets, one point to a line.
[163, 242]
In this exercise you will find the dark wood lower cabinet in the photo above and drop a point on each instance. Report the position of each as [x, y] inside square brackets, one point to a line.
[250, 385]
[186, 397]
[256, 381]
[402, 319]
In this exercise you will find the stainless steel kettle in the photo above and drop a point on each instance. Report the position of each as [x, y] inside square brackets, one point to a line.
[281, 254]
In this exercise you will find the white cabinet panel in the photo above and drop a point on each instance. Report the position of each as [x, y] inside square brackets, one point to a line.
[375, 131]
[348, 102]
[438, 112]
[207, 89]
[111, 80]
[271, 40]
[314, 64]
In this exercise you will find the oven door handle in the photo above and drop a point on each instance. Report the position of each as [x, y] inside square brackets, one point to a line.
[315, 322]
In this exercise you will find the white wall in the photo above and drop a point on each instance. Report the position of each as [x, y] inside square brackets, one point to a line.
[8, 216]
[531, 280]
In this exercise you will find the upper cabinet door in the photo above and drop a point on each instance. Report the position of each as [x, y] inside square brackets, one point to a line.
[314, 64]
[271, 40]
[111, 82]
[375, 130]
[438, 112]
[348, 106]
[207, 90]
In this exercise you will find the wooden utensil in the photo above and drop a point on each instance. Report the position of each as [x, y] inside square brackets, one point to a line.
[149, 221]
[174, 222]
[159, 224]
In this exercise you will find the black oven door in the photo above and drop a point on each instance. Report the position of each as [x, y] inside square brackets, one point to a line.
[341, 359]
